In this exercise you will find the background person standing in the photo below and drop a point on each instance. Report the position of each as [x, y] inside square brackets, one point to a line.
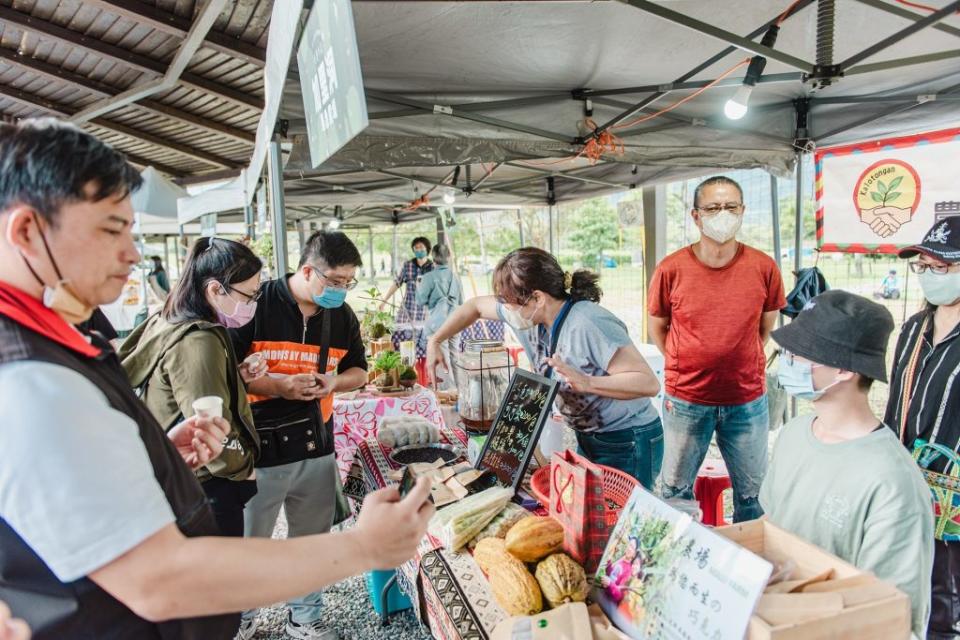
[409, 274]
[712, 306]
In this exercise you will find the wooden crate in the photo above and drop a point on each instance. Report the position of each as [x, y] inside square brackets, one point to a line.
[884, 618]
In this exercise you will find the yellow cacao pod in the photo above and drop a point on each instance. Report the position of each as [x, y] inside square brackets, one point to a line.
[515, 589]
[562, 580]
[491, 551]
[534, 538]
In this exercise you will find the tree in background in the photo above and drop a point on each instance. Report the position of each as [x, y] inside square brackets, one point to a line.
[596, 231]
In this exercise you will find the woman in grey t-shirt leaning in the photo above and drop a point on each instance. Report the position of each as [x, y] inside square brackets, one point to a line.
[605, 384]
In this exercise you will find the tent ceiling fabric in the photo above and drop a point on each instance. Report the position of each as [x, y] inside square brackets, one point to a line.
[476, 52]
[532, 58]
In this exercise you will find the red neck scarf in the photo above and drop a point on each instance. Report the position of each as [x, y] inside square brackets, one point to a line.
[29, 312]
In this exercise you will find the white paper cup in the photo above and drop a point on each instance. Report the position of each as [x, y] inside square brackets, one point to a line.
[208, 407]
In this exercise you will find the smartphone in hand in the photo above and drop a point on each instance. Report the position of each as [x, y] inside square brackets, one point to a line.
[407, 482]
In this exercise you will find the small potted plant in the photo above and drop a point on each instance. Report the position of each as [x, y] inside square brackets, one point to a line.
[389, 364]
[408, 378]
[375, 325]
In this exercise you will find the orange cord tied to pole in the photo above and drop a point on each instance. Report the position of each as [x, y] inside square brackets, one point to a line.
[603, 143]
[422, 201]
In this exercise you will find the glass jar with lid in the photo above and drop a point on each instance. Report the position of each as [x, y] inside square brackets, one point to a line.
[483, 374]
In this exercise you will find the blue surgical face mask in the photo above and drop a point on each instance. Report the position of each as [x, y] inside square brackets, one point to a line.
[420, 255]
[331, 298]
[796, 378]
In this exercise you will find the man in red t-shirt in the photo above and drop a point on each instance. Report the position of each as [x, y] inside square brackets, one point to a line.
[712, 306]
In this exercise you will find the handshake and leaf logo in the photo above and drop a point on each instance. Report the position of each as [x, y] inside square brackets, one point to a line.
[887, 196]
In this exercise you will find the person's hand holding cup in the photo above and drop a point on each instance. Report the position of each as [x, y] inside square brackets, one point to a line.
[253, 366]
[208, 407]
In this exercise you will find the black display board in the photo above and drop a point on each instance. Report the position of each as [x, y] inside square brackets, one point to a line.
[516, 429]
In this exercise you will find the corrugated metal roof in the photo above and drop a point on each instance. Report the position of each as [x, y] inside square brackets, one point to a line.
[60, 56]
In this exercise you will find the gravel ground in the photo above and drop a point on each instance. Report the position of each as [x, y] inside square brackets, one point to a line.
[349, 612]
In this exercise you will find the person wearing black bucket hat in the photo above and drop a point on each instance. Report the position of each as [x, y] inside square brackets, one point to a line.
[924, 403]
[838, 477]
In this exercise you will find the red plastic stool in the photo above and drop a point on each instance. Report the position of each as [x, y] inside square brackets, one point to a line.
[711, 482]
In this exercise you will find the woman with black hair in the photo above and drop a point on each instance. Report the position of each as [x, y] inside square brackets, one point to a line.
[410, 273]
[184, 353]
[605, 384]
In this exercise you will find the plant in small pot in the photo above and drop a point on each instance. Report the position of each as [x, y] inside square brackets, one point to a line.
[389, 364]
[408, 378]
[375, 324]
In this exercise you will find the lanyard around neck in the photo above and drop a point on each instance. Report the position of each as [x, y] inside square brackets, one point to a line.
[555, 332]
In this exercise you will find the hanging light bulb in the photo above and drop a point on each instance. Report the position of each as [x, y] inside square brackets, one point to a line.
[736, 107]
[334, 224]
[449, 195]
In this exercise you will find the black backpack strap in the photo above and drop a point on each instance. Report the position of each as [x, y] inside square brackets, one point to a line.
[324, 341]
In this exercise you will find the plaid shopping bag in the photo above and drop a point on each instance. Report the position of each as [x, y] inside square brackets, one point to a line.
[576, 501]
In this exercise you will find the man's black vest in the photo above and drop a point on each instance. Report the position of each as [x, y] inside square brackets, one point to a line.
[81, 610]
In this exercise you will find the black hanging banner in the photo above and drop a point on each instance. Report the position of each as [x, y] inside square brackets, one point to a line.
[516, 429]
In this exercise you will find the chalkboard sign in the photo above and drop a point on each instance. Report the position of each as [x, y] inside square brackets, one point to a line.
[515, 431]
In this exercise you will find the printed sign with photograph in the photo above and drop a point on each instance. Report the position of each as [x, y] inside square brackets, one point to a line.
[664, 576]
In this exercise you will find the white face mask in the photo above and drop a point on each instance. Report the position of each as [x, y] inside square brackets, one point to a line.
[722, 226]
[515, 319]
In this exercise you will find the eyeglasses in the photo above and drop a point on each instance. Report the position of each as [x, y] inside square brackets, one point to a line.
[338, 284]
[790, 358]
[714, 209]
[919, 267]
[252, 298]
[502, 300]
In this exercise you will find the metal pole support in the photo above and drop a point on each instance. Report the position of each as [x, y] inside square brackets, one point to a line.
[278, 209]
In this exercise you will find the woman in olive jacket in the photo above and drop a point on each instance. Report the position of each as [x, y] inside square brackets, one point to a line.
[183, 353]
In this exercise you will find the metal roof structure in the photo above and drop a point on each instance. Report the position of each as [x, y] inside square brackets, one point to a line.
[499, 89]
[59, 57]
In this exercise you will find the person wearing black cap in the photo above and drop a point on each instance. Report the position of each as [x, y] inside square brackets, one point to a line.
[838, 478]
[924, 404]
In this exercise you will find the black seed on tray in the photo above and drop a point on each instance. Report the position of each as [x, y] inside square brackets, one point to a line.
[425, 454]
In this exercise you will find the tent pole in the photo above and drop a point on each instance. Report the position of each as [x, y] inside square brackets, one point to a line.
[373, 269]
[250, 221]
[798, 235]
[483, 246]
[166, 252]
[520, 228]
[553, 248]
[775, 214]
[798, 242]
[181, 249]
[279, 214]
[396, 250]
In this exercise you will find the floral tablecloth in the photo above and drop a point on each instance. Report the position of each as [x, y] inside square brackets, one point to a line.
[359, 418]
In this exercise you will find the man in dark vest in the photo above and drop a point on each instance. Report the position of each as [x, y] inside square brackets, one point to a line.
[104, 530]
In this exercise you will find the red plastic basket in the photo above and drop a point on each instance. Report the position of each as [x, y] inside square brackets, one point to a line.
[617, 487]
